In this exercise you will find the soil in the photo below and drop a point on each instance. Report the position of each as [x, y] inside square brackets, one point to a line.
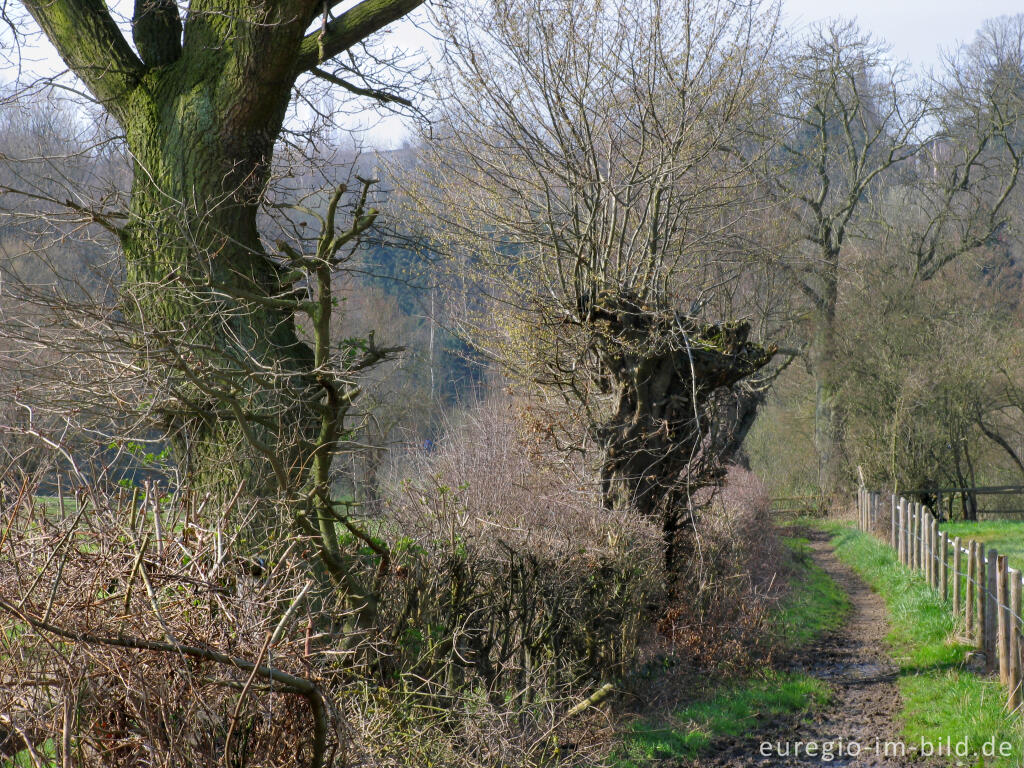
[865, 708]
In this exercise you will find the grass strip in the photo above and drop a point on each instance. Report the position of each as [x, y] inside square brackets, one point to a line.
[1004, 535]
[734, 710]
[813, 605]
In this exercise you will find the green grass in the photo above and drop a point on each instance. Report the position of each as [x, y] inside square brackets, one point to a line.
[53, 503]
[47, 752]
[733, 711]
[1004, 535]
[941, 699]
[814, 604]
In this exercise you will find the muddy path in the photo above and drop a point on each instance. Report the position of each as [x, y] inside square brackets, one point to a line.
[860, 727]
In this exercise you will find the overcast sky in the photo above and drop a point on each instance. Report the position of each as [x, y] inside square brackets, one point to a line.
[916, 30]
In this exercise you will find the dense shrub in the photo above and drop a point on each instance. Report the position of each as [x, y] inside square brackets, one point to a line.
[719, 614]
[133, 633]
[510, 570]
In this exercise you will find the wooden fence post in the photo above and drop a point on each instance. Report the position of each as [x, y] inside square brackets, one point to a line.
[990, 600]
[915, 548]
[903, 530]
[892, 520]
[923, 536]
[972, 588]
[867, 510]
[915, 543]
[910, 535]
[944, 565]
[933, 551]
[925, 560]
[957, 594]
[1002, 605]
[920, 535]
[926, 552]
[1014, 700]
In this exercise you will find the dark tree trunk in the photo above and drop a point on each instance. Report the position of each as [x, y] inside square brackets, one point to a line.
[659, 445]
[203, 286]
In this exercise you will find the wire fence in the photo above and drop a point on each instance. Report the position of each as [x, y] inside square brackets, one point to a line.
[977, 582]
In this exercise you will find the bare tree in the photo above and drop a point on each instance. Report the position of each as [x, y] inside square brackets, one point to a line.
[965, 188]
[867, 159]
[846, 118]
[579, 172]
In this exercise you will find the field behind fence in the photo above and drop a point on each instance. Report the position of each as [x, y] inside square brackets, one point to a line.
[978, 583]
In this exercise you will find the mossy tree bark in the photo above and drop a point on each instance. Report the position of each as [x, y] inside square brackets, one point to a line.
[667, 436]
[201, 104]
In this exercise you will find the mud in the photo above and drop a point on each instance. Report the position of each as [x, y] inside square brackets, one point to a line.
[864, 713]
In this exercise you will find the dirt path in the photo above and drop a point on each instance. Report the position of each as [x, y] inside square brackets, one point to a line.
[864, 713]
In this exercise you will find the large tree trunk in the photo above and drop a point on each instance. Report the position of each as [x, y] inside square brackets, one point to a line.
[663, 440]
[828, 420]
[236, 370]
[201, 102]
[200, 282]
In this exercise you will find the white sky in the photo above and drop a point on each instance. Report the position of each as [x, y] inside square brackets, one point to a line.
[916, 30]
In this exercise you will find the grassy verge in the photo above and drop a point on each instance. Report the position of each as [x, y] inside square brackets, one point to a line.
[734, 708]
[941, 699]
[815, 603]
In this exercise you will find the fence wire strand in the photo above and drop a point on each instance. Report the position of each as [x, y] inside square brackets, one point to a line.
[916, 549]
